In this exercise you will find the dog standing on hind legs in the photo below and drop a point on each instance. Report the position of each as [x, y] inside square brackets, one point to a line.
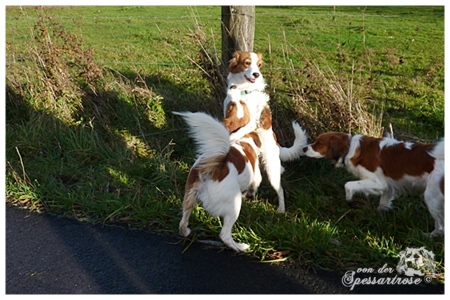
[245, 75]
[222, 171]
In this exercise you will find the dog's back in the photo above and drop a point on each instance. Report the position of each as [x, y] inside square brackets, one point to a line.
[388, 168]
[403, 166]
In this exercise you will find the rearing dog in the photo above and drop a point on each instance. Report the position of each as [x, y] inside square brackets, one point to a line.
[387, 168]
[221, 172]
[245, 76]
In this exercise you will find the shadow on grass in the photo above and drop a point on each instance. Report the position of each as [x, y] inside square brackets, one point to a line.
[115, 165]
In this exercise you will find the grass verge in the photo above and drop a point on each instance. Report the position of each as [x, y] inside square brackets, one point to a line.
[95, 141]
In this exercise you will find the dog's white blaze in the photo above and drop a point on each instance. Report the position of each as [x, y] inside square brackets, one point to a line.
[249, 73]
[254, 57]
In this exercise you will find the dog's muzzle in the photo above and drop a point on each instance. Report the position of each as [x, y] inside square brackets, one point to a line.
[253, 78]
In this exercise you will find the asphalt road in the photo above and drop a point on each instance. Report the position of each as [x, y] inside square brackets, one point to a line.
[50, 255]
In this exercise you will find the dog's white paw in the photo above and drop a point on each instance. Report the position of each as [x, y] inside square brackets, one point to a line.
[348, 194]
[384, 207]
[184, 231]
[281, 210]
[241, 247]
[228, 240]
[435, 233]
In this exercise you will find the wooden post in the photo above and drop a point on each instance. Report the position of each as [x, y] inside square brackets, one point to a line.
[238, 30]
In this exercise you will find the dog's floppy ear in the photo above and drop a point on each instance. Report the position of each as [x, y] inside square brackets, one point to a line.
[233, 62]
[260, 59]
[338, 147]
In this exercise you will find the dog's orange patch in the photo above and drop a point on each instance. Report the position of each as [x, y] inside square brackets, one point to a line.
[367, 153]
[395, 160]
[231, 121]
[250, 154]
[255, 137]
[192, 178]
[265, 119]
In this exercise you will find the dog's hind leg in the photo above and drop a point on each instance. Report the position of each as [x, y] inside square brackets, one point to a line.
[189, 202]
[257, 178]
[436, 208]
[229, 218]
[273, 169]
[434, 199]
[274, 177]
[272, 164]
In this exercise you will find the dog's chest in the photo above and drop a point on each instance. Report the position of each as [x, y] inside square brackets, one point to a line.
[256, 102]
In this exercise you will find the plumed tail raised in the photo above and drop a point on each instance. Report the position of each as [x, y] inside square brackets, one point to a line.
[210, 135]
[296, 150]
[439, 151]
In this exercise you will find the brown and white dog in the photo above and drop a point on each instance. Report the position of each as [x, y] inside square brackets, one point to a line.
[245, 76]
[388, 168]
[222, 171]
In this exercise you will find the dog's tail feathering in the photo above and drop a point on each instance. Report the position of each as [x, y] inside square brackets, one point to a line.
[296, 150]
[210, 135]
[439, 151]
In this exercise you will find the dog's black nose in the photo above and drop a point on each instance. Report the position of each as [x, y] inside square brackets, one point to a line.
[256, 75]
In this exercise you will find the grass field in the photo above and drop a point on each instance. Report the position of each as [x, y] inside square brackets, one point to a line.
[89, 134]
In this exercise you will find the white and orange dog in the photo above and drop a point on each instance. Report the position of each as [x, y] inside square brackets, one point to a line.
[245, 76]
[222, 171]
[388, 168]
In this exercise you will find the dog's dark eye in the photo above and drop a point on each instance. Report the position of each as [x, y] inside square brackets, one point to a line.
[247, 63]
[259, 65]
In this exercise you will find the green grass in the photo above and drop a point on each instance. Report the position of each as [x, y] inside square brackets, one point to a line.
[89, 133]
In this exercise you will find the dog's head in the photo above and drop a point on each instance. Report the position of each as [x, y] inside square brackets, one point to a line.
[332, 145]
[244, 69]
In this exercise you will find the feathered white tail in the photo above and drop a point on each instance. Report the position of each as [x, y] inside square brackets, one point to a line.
[210, 135]
[439, 151]
[296, 150]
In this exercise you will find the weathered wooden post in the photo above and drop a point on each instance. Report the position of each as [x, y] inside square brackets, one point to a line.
[238, 30]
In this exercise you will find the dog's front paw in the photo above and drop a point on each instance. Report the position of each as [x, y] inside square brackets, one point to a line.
[281, 210]
[348, 194]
